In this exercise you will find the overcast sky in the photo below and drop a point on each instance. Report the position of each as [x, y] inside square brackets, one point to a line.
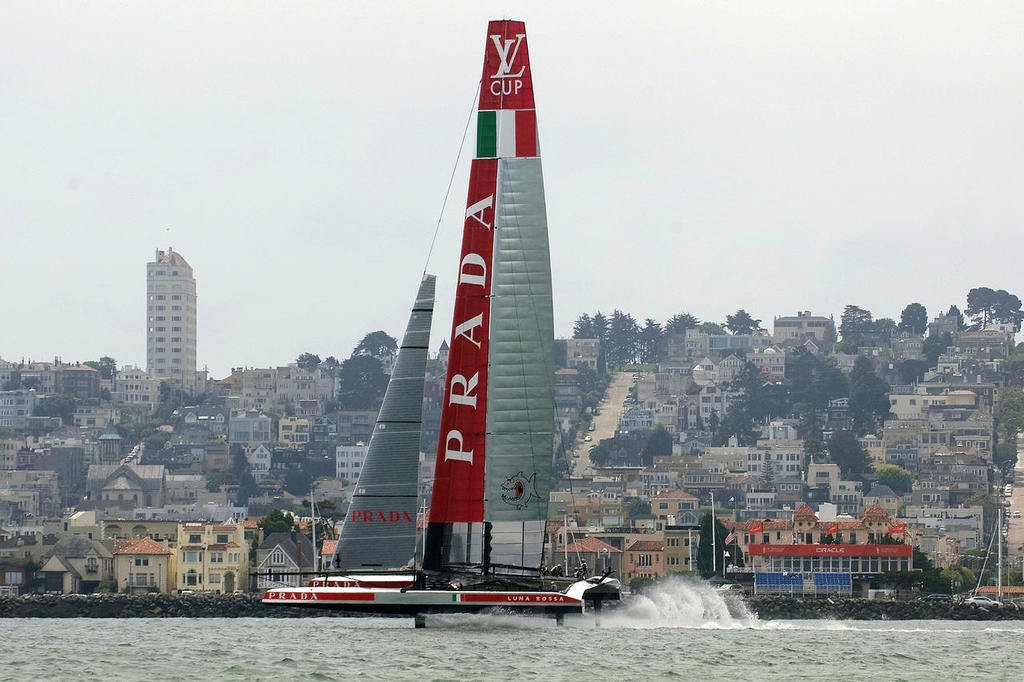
[699, 157]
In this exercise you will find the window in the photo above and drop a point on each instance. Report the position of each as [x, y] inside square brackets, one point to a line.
[142, 561]
[216, 557]
[195, 539]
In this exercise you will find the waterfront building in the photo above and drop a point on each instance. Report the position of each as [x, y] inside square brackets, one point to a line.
[171, 320]
[212, 557]
[281, 557]
[645, 559]
[791, 555]
[77, 565]
[142, 565]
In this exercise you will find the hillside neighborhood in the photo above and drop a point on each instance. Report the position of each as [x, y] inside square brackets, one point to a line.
[821, 457]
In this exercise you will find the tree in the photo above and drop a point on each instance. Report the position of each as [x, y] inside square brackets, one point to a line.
[985, 306]
[912, 371]
[599, 326]
[869, 396]
[276, 521]
[737, 422]
[896, 477]
[361, 383]
[623, 339]
[742, 323]
[649, 342]
[297, 481]
[680, 323]
[330, 365]
[1009, 412]
[884, 327]
[810, 432]
[854, 323]
[583, 328]
[711, 329]
[934, 346]
[377, 344]
[914, 319]
[106, 366]
[308, 362]
[847, 452]
[637, 508]
[658, 444]
[710, 554]
[60, 405]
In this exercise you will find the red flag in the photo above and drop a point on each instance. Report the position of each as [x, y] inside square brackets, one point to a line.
[898, 528]
[833, 529]
[756, 528]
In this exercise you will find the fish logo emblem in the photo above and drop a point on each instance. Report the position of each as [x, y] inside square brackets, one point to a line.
[520, 490]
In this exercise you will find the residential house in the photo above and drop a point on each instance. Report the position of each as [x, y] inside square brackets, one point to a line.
[143, 565]
[645, 559]
[212, 557]
[77, 565]
[281, 558]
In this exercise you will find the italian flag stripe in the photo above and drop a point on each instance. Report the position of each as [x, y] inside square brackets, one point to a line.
[506, 133]
[486, 135]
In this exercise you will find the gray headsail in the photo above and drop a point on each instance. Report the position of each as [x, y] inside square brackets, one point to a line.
[380, 527]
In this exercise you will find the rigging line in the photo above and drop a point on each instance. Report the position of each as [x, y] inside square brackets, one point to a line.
[451, 179]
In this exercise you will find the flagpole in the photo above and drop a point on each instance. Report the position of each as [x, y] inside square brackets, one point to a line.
[714, 544]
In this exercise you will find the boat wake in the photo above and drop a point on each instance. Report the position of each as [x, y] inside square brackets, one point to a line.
[684, 603]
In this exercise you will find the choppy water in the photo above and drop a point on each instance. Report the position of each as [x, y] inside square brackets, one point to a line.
[684, 632]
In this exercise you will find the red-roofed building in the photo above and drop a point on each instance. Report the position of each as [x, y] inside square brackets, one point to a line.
[645, 559]
[805, 545]
[143, 565]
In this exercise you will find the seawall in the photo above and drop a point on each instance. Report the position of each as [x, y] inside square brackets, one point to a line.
[147, 606]
[250, 606]
[795, 608]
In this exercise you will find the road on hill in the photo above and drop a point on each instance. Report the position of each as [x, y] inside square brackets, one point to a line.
[606, 421]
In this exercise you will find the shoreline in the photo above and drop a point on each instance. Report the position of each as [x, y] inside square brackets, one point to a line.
[251, 606]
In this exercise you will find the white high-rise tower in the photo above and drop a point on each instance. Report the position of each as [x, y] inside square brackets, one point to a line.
[171, 320]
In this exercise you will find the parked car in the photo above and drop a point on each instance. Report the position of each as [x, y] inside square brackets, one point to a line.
[981, 601]
[937, 598]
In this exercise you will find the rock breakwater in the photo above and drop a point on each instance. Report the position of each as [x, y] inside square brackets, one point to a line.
[794, 608]
[147, 606]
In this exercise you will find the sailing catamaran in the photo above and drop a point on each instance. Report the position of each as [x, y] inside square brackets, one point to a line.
[483, 546]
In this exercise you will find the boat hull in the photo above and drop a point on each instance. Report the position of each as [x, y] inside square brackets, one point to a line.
[390, 601]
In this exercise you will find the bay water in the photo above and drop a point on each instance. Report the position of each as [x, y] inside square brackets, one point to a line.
[683, 631]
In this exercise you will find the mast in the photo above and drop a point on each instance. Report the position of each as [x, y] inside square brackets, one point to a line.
[493, 468]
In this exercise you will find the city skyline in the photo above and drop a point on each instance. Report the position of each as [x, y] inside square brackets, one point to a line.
[697, 158]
